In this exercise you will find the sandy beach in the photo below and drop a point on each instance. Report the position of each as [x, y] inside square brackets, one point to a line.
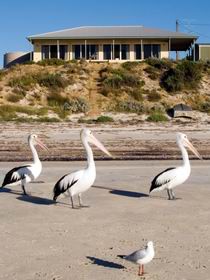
[140, 141]
[41, 240]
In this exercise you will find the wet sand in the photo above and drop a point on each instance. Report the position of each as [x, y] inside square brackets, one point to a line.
[41, 240]
[141, 141]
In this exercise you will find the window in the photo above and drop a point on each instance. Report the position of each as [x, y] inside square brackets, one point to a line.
[125, 52]
[107, 51]
[116, 51]
[156, 51]
[45, 52]
[137, 50]
[53, 51]
[147, 51]
[76, 51]
[63, 51]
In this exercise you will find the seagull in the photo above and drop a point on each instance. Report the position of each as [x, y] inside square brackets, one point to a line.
[141, 257]
[80, 181]
[27, 173]
[175, 176]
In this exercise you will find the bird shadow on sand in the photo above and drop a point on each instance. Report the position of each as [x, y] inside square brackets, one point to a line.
[6, 190]
[105, 263]
[36, 200]
[122, 192]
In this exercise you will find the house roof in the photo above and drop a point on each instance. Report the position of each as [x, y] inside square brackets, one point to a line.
[102, 32]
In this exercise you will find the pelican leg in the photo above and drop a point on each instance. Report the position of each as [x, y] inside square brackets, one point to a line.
[71, 199]
[169, 194]
[80, 200]
[23, 188]
[172, 194]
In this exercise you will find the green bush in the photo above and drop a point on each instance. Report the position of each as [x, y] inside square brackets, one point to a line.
[103, 119]
[51, 80]
[2, 74]
[130, 107]
[51, 62]
[24, 82]
[162, 64]
[187, 75]
[153, 96]
[136, 93]
[130, 65]
[157, 116]
[55, 99]
[14, 97]
[152, 72]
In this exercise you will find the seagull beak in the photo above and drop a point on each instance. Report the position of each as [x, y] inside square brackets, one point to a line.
[42, 145]
[192, 148]
[97, 143]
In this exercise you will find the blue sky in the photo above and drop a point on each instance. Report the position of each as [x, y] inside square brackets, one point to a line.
[20, 18]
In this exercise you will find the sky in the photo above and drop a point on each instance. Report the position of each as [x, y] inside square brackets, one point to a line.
[21, 18]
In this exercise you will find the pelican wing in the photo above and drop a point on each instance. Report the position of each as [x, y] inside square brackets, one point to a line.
[137, 255]
[163, 178]
[16, 174]
[65, 183]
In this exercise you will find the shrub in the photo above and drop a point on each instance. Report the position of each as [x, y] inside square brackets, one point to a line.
[103, 119]
[130, 65]
[77, 105]
[152, 72]
[24, 82]
[136, 93]
[52, 61]
[51, 80]
[14, 98]
[172, 80]
[56, 99]
[154, 96]
[162, 64]
[130, 106]
[157, 116]
[2, 74]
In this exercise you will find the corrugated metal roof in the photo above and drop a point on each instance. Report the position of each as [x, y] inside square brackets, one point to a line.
[97, 32]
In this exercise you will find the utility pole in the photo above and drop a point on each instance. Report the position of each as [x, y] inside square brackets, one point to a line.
[177, 30]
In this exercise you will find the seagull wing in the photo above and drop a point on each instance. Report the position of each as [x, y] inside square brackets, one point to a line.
[137, 255]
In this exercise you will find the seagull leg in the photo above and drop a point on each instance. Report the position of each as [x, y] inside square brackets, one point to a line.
[140, 270]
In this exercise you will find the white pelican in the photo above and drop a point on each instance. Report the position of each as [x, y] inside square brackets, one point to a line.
[141, 257]
[80, 181]
[27, 173]
[174, 176]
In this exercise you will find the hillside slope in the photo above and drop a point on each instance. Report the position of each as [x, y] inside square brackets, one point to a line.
[54, 90]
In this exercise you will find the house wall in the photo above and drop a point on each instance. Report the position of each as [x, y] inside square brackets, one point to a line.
[164, 53]
[204, 52]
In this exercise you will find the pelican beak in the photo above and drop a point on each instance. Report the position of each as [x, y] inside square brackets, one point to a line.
[192, 148]
[42, 145]
[97, 143]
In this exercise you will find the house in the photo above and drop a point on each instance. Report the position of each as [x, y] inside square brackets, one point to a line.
[109, 43]
[202, 51]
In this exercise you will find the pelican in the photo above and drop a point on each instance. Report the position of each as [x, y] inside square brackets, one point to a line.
[27, 173]
[80, 181]
[141, 257]
[175, 176]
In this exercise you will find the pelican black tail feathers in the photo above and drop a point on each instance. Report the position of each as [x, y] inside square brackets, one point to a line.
[121, 256]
